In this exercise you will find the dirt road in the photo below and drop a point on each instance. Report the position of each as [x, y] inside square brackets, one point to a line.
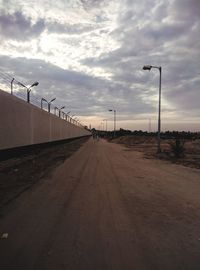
[106, 208]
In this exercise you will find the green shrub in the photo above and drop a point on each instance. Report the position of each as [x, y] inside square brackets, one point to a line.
[177, 147]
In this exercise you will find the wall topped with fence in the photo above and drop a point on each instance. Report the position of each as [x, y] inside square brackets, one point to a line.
[17, 88]
[26, 123]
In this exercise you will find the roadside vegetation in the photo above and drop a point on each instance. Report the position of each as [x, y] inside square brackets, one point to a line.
[177, 147]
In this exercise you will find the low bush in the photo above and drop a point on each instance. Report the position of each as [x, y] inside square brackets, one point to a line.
[177, 147]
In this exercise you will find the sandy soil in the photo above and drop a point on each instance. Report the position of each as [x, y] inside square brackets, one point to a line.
[19, 174]
[148, 145]
[106, 207]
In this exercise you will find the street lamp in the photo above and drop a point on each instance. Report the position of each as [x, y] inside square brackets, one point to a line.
[77, 120]
[59, 110]
[48, 103]
[43, 99]
[63, 115]
[149, 67]
[106, 120]
[72, 119]
[11, 85]
[114, 120]
[28, 89]
[102, 123]
[149, 125]
[67, 115]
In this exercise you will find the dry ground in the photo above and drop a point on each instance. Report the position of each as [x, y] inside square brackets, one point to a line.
[105, 207]
[20, 173]
[148, 145]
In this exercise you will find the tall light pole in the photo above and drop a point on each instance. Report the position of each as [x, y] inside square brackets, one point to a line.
[60, 110]
[11, 85]
[72, 119]
[67, 115]
[149, 67]
[149, 125]
[114, 111]
[48, 103]
[28, 89]
[102, 123]
[106, 120]
[41, 103]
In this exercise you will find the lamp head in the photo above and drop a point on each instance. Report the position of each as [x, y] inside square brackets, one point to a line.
[52, 100]
[35, 84]
[147, 67]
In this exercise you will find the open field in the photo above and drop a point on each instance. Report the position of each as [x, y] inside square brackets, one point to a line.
[148, 145]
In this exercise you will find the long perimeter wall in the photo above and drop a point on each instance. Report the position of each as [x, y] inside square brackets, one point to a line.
[22, 124]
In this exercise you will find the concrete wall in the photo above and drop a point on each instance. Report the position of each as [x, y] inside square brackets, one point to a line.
[24, 124]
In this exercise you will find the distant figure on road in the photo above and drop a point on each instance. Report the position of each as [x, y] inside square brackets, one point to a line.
[95, 136]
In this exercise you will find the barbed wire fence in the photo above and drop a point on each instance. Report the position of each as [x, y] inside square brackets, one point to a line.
[14, 86]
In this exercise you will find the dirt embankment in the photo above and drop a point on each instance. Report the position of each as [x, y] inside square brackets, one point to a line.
[20, 173]
[148, 145]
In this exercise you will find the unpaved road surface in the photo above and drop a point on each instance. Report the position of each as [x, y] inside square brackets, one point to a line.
[18, 174]
[106, 208]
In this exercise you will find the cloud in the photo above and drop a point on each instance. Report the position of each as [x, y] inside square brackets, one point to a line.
[90, 53]
[19, 27]
[69, 29]
[158, 33]
[92, 3]
[185, 10]
[86, 94]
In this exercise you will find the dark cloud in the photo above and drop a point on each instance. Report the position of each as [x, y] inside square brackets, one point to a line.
[16, 26]
[185, 9]
[86, 94]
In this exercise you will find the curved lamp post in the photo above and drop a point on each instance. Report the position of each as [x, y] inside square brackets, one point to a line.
[48, 103]
[11, 86]
[114, 120]
[67, 115]
[76, 120]
[149, 67]
[28, 89]
[72, 119]
[59, 110]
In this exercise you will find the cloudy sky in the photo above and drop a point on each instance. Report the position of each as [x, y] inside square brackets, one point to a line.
[89, 54]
